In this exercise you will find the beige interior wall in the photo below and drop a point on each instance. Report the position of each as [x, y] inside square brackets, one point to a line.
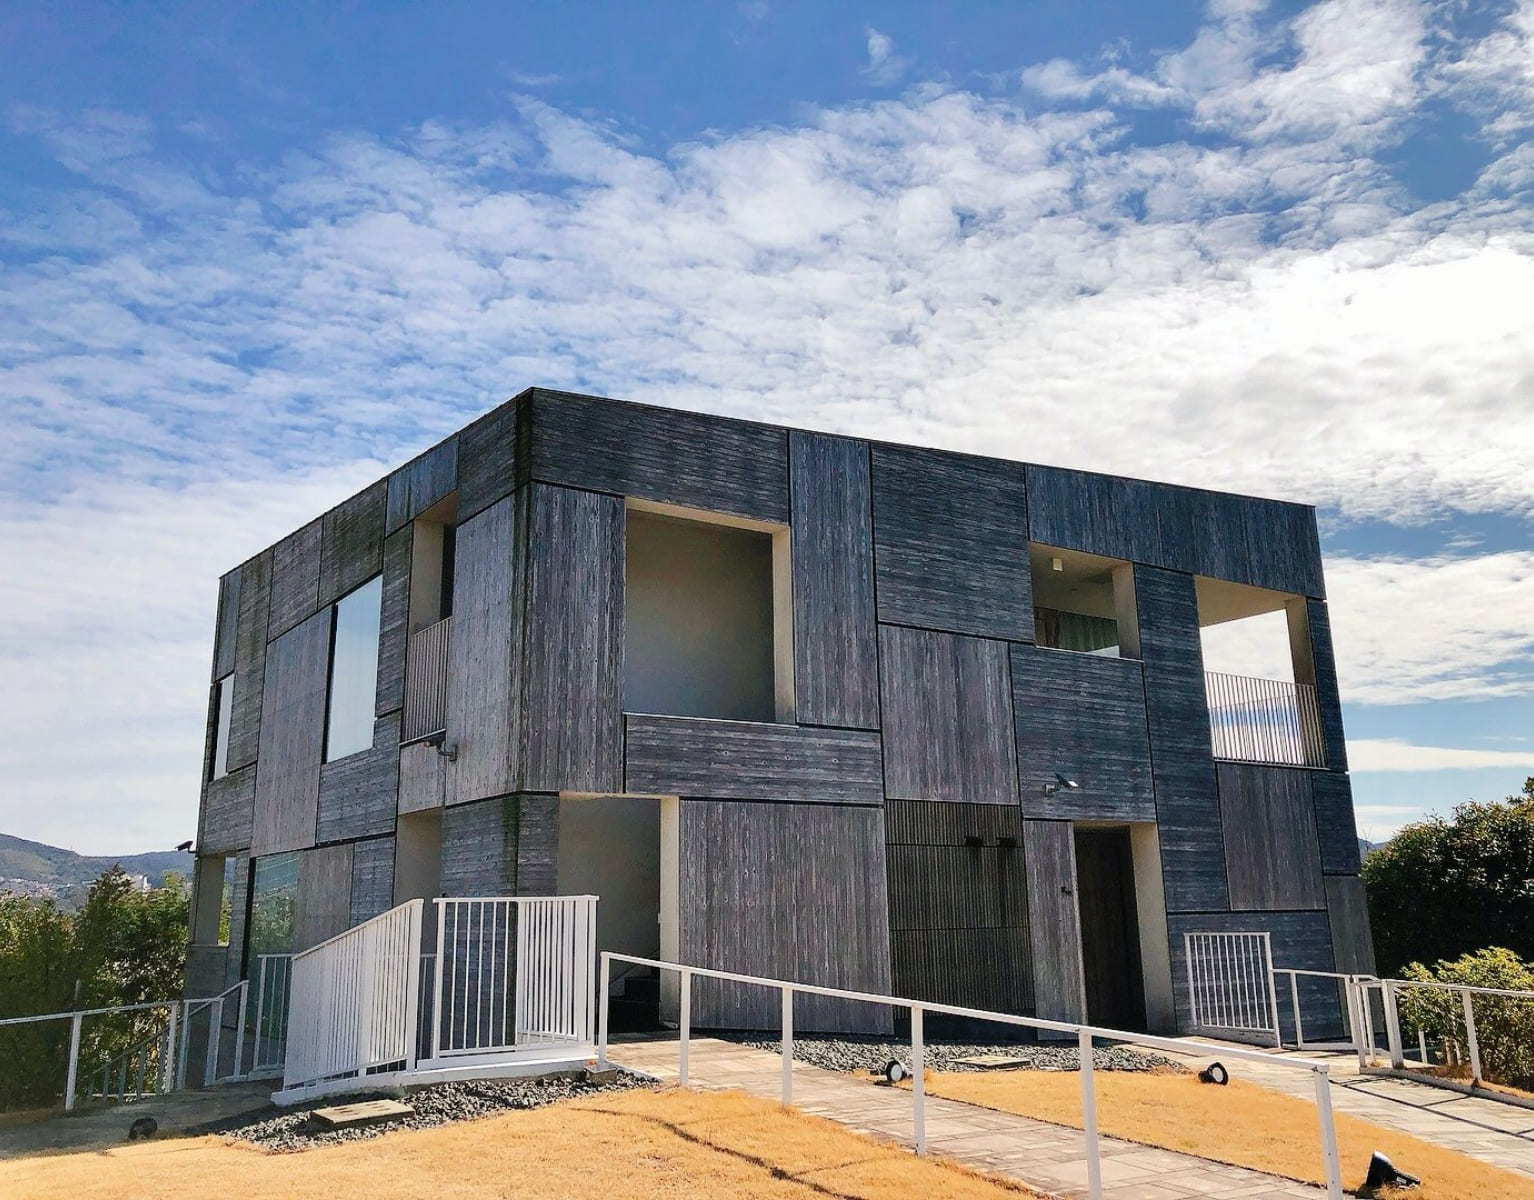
[1150, 904]
[610, 847]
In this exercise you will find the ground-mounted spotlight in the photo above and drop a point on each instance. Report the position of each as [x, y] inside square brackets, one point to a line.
[1384, 1173]
[895, 1071]
[1214, 1073]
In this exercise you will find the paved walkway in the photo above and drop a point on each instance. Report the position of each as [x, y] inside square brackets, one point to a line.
[1495, 1133]
[98, 1125]
[1046, 1157]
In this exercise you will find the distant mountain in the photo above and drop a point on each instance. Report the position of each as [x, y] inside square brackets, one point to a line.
[35, 869]
[1365, 846]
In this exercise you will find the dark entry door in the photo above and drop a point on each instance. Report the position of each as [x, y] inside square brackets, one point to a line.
[1110, 937]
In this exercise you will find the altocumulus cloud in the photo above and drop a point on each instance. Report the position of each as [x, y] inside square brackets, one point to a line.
[193, 360]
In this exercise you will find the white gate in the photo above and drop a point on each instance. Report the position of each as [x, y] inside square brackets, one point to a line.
[1230, 983]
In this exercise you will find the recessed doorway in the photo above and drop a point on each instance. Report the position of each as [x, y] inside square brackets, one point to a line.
[1110, 927]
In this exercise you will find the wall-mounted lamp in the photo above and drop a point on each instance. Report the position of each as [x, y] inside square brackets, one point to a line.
[973, 840]
[445, 748]
[1059, 782]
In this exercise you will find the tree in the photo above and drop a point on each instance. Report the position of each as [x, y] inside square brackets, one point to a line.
[1445, 888]
[122, 946]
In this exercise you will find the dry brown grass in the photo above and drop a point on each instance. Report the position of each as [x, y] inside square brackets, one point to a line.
[1461, 1074]
[1242, 1124]
[673, 1143]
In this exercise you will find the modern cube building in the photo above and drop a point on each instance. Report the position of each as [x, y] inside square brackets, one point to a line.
[797, 705]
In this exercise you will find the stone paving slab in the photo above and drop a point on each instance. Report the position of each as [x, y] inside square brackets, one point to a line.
[1048, 1158]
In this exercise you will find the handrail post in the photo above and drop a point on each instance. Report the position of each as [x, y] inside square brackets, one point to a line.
[602, 1002]
[183, 1052]
[168, 1068]
[1278, 1030]
[215, 1037]
[1294, 1002]
[787, 1045]
[1392, 1024]
[1329, 1161]
[1475, 1045]
[239, 1035]
[918, 1082]
[436, 1003]
[1089, 1116]
[684, 1026]
[74, 1062]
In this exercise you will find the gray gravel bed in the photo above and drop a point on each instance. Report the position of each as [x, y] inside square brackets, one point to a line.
[863, 1054]
[437, 1104]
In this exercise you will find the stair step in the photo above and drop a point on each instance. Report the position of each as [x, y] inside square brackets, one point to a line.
[644, 988]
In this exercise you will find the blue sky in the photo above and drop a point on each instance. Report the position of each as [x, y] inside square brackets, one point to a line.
[253, 256]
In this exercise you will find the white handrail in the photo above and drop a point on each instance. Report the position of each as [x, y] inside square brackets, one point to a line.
[1320, 1072]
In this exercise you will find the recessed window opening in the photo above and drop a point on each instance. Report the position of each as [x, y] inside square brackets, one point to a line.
[224, 699]
[702, 627]
[353, 671]
[1077, 602]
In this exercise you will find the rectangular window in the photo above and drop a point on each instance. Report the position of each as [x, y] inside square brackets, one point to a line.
[273, 899]
[353, 672]
[225, 702]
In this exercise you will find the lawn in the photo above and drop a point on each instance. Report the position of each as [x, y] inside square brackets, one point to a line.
[1240, 1123]
[641, 1143]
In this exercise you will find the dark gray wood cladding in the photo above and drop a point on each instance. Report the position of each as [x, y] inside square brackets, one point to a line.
[1083, 717]
[227, 630]
[373, 879]
[1053, 920]
[394, 621]
[479, 848]
[359, 793]
[1333, 798]
[947, 717]
[660, 454]
[227, 809]
[922, 823]
[537, 845]
[1182, 764]
[1327, 698]
[1266, 543]
[250, 660]
[481, 699]
[492, 458]
[421, 482]
[1272, 856]
[973, 968]
[292, 738]
[685, 756]
[324, 904]
[836, 654]
[295, 579]
[572, 682]
[1352, 942]
[745, 871]
[951, 543]
[351, 543]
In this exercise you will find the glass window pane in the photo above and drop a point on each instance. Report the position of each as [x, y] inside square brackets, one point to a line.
[221, 728]
[273, 896]
[354, 672]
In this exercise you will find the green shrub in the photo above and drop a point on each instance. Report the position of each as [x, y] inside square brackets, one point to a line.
[1504, 1025]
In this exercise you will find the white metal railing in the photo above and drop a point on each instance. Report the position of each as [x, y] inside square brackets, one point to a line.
[356, 997]
[1230, 983]
[1264, 720]
[1389, 991]
[788, 989]
[157, 1065]
[426, 681]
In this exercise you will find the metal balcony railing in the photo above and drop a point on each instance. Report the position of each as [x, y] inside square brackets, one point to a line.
[426, 681]
[1264, 720]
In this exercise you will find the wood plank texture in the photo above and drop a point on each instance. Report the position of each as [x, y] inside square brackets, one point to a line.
[745, 869]
[948, 725]
[675, 457]
[572, 691]
[492, 461]
[1347, 908]
[481, 701]
[479, 848]
[228, 806]
[359, 794]
[1332, 794]
[1182, 763]
[239, 901]
[295, 579]
[250, 660]
[1053, 921]
[686, 756]
[1327, 697]
[351, 542]
[951, 543]
[394, 622]
[324, 905]
[973, 967]
[372, 879]
[1083, 717]
[537, 845]
[292, 737]
[422, 778]
[420, 483]
[226, 630]
[836, 656]
[1272, 855]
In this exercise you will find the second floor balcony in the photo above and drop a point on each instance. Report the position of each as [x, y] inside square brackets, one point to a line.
[1264, 720]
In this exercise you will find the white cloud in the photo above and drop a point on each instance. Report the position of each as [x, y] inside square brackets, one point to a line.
[1267, 314]
[884, 65]
[1390, 754]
